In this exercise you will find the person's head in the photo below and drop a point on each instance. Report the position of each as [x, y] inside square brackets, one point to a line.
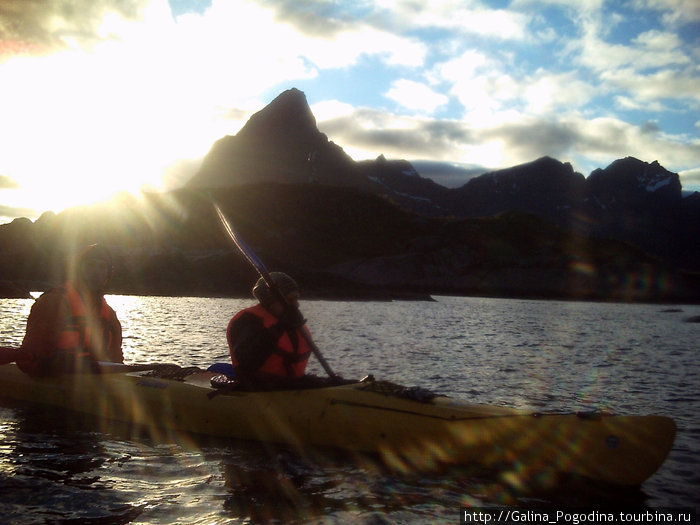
[286, 286]
[94, 267]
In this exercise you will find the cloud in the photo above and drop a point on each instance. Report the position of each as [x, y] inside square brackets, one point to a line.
[601, 139]
[416, 96]
[326, 34]
[368, 133]
[464, 18]
[674, 12]
[490, 93]
[648, 51]
[447, 174]
[654, 65]
[45, 26]
[7, 213]
[628, 103]
[546, 92]
[690, 179]
[7, 183]
[530, 138]
[316, 18]
[665, 84]
[573, 137]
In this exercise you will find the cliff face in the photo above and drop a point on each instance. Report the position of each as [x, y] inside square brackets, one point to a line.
[378, 227]
[280, 143]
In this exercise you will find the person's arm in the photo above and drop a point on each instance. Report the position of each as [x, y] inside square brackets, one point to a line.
[41, 336]
[114, 329]
[250, 343]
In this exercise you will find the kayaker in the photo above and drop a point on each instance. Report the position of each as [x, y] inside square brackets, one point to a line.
[70, 328]
[266, 341]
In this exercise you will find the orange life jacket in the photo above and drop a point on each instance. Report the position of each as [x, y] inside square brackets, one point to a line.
[290, 357]
[79, 335]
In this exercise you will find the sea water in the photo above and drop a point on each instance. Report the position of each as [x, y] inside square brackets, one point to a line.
[539, 355]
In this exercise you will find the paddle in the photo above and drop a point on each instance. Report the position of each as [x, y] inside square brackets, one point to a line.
[118, 368]
[255, 261]
[9, 354]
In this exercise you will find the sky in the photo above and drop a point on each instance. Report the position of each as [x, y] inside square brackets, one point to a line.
[105, 96]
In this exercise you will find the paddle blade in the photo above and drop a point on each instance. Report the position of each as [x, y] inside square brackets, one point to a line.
[242, 246]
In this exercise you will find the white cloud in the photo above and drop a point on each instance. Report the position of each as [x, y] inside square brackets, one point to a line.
[650, 88]
[690, 179]
[331, 109]
[580, 6]
[463, 17]
[628, 103]
[344, 49]
[657, 40]
[477, 81]
[416, 96]
[324, 34]
[465, 65]
[648, 50]
[491, 95]
[550, 92]
[674, 12]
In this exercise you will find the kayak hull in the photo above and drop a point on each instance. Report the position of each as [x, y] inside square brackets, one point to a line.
[408, 435]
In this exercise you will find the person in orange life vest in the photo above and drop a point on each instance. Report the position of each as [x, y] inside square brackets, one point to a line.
[266, 341]
[71, 328]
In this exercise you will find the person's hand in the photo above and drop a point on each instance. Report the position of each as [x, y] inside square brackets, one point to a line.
[292, 318]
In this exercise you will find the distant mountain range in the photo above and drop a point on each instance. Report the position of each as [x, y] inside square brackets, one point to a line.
[380, 229]
[630, 200]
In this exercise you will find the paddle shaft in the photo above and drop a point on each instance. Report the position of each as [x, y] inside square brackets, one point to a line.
[9, 354]
[255, 261]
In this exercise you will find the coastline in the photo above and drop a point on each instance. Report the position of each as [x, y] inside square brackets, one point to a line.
[364, 293]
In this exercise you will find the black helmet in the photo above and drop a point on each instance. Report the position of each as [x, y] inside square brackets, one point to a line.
[285, 284]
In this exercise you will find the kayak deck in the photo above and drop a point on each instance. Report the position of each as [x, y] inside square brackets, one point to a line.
[408, 433]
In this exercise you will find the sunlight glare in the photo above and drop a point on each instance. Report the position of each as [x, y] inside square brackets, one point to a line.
[88, 123]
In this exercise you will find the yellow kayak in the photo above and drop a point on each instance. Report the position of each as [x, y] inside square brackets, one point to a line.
[409, 430]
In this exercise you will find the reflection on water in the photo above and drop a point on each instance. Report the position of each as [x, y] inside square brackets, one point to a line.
[50, 470]
[55, 467]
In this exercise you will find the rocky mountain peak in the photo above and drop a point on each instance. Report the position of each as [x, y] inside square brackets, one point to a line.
[287, 116]
[634, 180]
[274, 145]
[539, 177]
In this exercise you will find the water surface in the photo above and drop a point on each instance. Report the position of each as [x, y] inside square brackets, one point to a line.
[541, 355]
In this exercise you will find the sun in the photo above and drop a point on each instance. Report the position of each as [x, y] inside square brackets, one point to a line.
[78, 128]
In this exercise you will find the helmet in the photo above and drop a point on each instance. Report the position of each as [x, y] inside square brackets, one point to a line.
[285, 284]
[94, 251]
[90, 254]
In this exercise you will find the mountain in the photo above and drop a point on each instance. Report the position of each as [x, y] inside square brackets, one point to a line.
[281, 143]
[337, 242]
[630, 200]
[378, 228]
[544, 187]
